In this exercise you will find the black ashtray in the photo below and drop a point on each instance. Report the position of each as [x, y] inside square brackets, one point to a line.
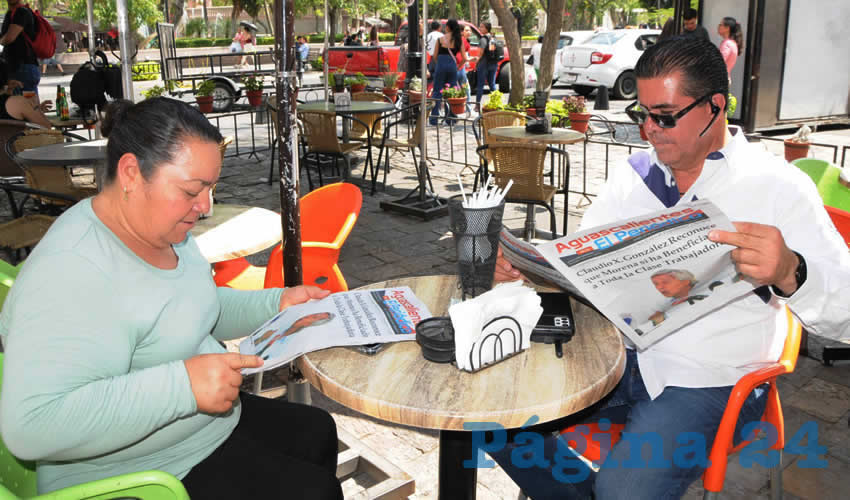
[436, 336]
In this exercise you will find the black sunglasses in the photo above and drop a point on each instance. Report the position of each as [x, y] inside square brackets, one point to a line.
[639, 113]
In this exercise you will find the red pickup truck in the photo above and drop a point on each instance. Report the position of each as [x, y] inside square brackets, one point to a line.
[374, 62]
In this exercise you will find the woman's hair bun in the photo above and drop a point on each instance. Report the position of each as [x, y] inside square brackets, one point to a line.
[113, 115]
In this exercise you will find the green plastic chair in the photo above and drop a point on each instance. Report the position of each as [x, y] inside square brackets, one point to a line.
[18, 480]
[8, 273]
[825, 176]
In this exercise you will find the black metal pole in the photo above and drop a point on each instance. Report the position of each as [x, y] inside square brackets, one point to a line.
[413, 53]
[286, 85]
[165, 2]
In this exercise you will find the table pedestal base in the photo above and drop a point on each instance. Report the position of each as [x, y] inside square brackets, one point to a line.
[456, 481]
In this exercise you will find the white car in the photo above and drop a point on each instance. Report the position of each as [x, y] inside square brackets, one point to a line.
[608, 58]
[567, 39]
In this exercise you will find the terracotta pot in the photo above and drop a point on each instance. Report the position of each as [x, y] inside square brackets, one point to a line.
[414, 96]
[391, 92]
[796, 150]
[457, 104]
[358, 87]
[488, 110]
[579, 121]
[205, 103]
[255, 97]
[643, 133]
[531, 111]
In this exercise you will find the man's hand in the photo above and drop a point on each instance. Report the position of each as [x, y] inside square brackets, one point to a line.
[301, 294]
[761, 254]
[505, 271]
[216, 378]
[45, 106]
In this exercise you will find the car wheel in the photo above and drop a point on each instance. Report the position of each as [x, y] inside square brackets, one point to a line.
[505, 78]
[626, 86]
[223, 97]
[583, 90]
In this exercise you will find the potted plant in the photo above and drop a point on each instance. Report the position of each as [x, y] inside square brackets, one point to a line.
[494, 103]
[357, 83]
[579, 117]
[527, 105]
[254, 89]
[797, 146]
[390, 81]
[155, 91]
[204, 97]
[337, 80]
[415, 90]
[456, 97]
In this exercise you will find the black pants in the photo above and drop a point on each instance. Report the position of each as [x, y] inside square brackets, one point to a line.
[278, 450]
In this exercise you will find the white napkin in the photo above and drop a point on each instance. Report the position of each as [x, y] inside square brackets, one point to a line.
[469, 317]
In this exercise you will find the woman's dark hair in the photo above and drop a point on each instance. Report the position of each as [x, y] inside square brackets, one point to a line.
[698, 60]
[668, 30]
[153, 130]
[734, 32]
[373, 33]
[488, 25]
[457, 34]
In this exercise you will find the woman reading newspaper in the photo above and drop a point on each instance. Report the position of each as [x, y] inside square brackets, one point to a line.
[111, 334]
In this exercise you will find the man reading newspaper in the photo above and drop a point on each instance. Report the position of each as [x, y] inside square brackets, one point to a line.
[785, 244]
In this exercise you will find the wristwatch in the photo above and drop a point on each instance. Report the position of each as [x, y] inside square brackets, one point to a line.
[799, 275]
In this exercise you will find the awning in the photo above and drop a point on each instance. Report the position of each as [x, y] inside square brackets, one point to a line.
[67, 25]
[374, 21]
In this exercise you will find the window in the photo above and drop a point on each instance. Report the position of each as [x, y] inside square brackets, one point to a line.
[607, 38]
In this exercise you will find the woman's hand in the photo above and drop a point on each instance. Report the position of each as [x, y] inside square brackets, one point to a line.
[301, 294]
[215, 379]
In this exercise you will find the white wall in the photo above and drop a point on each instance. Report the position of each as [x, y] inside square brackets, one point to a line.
[816, 77]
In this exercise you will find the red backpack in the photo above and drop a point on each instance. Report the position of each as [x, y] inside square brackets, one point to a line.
[44, 44]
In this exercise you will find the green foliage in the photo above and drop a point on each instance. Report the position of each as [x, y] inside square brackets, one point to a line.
[183, 43]
[732, 106]
[155, 91]
[530, 37]
[145, 71]
[320, 37]
[357, 79]
[205, 88]
[195, 27]
[140, 12]
[317, 64]
[253, 82]
[416, 84]
[265, 40]
[390, 80]
[495, 102]
[386, 37]
[454, 92]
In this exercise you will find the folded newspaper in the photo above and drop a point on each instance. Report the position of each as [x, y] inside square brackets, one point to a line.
[341, 319]
[650, 275]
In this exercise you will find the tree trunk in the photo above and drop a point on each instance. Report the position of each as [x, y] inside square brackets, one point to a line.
[550, 44]
[453, 8]
[268, 17]
[473, 12]
[512, 42]
[177, 5]
[205, 31]
[234, 19]
[332, 26]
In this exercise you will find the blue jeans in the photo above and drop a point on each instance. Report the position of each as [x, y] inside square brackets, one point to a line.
[29, 75]
[486, 73]
[446, 73]
[676, 411]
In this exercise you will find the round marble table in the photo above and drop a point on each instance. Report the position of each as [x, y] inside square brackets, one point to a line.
[557, 136]
[236, 231]
[398, 385]
[353, 109]
[66, 154]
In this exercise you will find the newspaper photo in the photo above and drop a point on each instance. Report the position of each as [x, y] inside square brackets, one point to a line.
[340, 319]
[654, 273]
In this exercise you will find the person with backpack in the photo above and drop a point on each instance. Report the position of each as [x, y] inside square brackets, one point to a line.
[18, 35]
[489, 62]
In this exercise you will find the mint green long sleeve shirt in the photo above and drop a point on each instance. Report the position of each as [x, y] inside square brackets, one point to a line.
[94, 383]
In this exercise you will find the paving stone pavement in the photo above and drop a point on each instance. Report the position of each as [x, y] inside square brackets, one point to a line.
[385, 245]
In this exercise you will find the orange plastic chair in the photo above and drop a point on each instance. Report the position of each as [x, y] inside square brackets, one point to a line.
[841, 219]
[714, 476]
[328, 215]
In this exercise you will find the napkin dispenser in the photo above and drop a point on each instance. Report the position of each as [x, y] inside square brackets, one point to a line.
[342, 99]
[539, 125]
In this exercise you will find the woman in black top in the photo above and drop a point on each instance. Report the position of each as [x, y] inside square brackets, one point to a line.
[445, 52]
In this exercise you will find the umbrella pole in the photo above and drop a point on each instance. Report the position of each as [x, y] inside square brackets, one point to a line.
[124, 42]
[284, 19]
[325, 53]
[90, 19]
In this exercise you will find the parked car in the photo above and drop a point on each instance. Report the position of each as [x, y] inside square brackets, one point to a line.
[608, 58]
[567, 39]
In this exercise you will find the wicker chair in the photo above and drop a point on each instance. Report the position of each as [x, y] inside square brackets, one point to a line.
[320, 131]
[524, 163]
[411, 143]
[371, 123]
[486, 121]
[50, 179]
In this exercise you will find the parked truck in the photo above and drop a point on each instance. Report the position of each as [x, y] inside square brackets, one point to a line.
[374, 62]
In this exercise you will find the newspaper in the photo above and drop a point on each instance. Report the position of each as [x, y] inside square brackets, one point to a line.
[341, 319]
[654, 273]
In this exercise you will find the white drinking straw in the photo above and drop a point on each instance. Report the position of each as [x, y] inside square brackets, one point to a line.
[462, 192]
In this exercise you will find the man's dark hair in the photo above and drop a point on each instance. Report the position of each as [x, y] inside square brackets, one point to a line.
[488, 25]
[698, 60]
[690, 13]
[435, 25]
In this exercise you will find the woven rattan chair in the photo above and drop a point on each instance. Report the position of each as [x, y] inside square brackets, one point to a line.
[410, 142]
[490, 120]
[47, 178]
[524, 163]
[320, 131]
[371, 123]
